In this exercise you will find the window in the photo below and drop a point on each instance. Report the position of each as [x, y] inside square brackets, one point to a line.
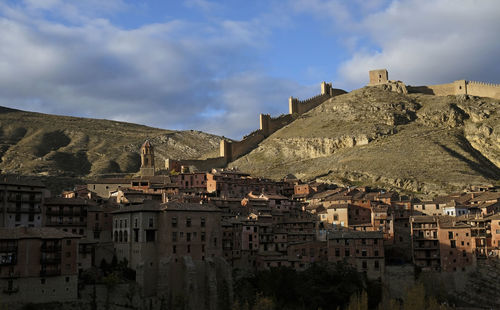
[188, 236]
[202, 235]
[188, 222]
[121, 236]
[337, 252]
[347, 252]
[136, 235]
[150, 222]
[376, 253]
[189, 248]
[202, 222]
[135, 223]
[363, 252]
[453, 243]
[375, 241]
[363, 241]
[121, 223]
[150, 235]
[125, 236]
[174, 249]
[174, 236]
[376, 265]
[116, 236]
[450, 235]
[174, 222]
[335, 217]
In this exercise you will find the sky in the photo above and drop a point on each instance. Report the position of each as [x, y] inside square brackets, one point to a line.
[216, 65]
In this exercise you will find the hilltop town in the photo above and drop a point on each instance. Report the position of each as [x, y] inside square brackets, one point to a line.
[183, 232]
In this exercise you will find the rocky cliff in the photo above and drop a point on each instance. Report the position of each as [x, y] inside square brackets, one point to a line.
[378, 137]
[42, 144]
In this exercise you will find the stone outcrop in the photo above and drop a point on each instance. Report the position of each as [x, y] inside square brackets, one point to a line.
[381, 136]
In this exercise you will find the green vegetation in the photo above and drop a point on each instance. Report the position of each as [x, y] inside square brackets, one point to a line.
[322, 286]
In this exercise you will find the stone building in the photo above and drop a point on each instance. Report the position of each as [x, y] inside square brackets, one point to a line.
[363, 250]
[21, 202]
[67, 214]
[151, 233]
[38, 265]
[147, 159]
[441, 243]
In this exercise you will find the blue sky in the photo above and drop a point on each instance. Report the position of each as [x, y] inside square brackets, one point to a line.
[215, 65]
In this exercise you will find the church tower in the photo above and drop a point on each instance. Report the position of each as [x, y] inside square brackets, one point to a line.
[147, 159]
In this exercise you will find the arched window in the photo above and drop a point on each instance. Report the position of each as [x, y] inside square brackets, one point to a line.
[116, 236]
[121, 236]
[125, 236]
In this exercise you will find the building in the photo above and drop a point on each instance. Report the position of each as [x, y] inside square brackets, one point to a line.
[38, 265]
[442, 243]
[67, 214]
[21, 202]
[147, 159]
[147, 234]
[364, 250]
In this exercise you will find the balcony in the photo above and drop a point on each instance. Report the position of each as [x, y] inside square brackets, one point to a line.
[50, 260]
[10, 290]
[24, 210]
[50, 272]
[8, 248]
[51, 248]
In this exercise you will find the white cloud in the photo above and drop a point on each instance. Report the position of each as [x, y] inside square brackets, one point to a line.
[164, 75]
[427, 42]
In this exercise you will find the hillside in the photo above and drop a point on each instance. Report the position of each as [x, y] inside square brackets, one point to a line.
[371, 136]
[41, 144]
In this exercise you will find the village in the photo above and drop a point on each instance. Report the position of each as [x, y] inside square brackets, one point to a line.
[164, 227]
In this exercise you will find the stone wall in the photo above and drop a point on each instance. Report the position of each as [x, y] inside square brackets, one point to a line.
[231, 150]
[459, 87]
[481, 89]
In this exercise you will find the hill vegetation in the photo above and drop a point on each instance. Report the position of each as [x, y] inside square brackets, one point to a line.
[372, 136]
[51, 145]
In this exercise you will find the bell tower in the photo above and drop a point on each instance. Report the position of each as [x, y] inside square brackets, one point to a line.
[147, 159]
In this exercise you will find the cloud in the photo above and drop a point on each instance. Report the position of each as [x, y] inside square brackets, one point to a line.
[175, 74]
[427, 42]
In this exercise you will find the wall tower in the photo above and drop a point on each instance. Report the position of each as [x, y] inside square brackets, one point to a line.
[147, 159]
[379, 76]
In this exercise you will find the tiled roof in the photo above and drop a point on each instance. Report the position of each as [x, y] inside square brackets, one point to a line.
[34, 233]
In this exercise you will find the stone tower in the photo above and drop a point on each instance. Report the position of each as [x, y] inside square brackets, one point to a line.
[379, 76]
[147, 159]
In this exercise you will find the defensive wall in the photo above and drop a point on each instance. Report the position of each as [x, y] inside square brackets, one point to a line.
[231, 150]
[459, 87]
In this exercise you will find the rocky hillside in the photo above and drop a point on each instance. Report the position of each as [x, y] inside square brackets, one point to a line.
[41, 144]
[371, 136]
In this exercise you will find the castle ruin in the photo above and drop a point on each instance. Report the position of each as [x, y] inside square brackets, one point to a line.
[459, 87]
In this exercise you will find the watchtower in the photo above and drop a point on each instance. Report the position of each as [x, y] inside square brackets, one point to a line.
[379, 76]
[147, 159]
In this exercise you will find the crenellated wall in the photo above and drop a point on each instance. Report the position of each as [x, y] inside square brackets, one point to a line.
[459, 87]
[230, 151]
[481, 89]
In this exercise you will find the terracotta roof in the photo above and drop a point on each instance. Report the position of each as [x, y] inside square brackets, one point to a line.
[486, 196]
[352, 234]
[59, 201]
[19, 180]
[34, 233]
[157, 206]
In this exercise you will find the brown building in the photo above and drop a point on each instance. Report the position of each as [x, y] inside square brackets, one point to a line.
[149, 234]
[37, 265]
[363, 250]
[236, 184]
[67, 214]
[441, 243]
[21, 202]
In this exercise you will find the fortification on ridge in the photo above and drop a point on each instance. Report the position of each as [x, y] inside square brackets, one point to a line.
[231, 150]
[458, 87]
